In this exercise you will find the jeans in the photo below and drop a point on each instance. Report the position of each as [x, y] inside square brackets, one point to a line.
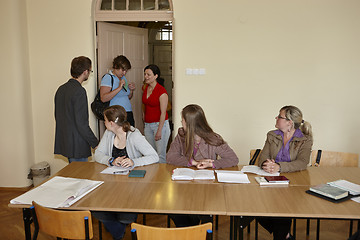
[130, 118]
[77, 160]
[160, 145]
[115, 222]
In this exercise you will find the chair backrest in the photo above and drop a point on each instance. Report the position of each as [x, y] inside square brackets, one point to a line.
[337, 159]
[254, 156]
[63, 224]
[198, 232]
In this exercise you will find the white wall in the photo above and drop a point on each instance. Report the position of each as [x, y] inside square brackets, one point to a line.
[258, 55]
[262, 55]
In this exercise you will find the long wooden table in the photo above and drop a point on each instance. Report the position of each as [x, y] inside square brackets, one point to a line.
[157, 193]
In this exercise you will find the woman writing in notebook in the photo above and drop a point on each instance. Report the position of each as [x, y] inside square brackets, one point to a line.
[286, 149]
[197, 145]
[121, 145]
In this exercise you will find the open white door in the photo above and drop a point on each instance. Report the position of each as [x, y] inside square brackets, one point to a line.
[132, 42]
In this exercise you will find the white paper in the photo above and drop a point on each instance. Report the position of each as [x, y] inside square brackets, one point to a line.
[116, 170]
[232, 176]
[257, 170]
[58, 192]
[356, 199]
[190, 174]
[353, 188]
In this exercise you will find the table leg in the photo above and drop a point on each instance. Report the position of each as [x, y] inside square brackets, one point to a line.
[27, 218]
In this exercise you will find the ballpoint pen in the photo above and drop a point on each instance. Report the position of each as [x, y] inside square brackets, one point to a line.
[122, 171]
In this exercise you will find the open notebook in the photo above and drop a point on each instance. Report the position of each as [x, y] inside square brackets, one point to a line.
[58, 192]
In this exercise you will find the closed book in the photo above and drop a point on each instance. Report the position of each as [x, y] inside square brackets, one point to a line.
[277, 179]
[329, 191]
[263, 182]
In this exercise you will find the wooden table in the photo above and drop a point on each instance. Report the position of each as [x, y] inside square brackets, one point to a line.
[157, 193]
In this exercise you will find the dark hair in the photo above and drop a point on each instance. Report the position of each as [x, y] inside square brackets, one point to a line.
[121, 62]
[117, 114]
[154, 68]
[196, 123]
[79, 65]
[161, 81]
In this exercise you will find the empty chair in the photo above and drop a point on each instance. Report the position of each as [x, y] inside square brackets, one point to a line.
[198, 232]
[62, 224]
[335, 159]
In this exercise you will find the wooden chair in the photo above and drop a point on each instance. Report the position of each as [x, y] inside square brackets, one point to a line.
[254, 156]
[337, 159]
[62, 224]
[142, 232]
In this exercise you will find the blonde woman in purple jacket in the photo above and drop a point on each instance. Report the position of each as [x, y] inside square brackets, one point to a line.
[197, 145]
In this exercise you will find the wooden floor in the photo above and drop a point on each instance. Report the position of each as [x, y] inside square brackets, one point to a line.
[12, 228]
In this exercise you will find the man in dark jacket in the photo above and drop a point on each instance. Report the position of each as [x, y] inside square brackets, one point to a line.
[73, 135]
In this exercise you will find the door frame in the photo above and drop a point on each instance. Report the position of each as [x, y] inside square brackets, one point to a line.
[99, 15]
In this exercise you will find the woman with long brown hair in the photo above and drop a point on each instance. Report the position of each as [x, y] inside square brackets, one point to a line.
[196, 144]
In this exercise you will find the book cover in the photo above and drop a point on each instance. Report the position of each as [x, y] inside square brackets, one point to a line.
[277, 179]
[329, 191]
[263, 182]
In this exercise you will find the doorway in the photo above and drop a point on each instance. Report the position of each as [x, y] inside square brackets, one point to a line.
[155, 18]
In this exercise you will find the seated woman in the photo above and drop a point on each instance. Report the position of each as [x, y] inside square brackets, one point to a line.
[286, 149]
[197, 145]
[121, 145]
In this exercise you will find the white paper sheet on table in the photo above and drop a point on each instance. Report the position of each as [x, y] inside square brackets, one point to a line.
[58, 192]
[116, 170]
[257, 170]
[232, 176]
[356, 199]
[353, 188]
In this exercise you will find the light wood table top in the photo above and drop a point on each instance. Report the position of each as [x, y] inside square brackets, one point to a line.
[288, 201]
[157, 193]
[156, 198]
[155, 173]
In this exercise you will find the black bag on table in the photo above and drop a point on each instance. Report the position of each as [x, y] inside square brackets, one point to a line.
[97, 106]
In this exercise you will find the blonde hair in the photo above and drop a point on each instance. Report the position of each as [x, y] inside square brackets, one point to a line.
[295, 115]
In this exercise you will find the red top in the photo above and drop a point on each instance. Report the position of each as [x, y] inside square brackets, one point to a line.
[152, 104]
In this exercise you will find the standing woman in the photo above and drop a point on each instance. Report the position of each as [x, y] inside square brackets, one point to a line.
[121, 91]
[287, 149]
[155, 101]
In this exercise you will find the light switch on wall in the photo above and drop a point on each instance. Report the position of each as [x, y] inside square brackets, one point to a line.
[189, 71]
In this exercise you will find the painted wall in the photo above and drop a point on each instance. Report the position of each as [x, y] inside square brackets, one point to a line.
[258, 56]
[262, 55]
[39, 40]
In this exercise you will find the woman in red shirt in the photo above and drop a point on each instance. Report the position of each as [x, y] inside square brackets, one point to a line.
[155, 101]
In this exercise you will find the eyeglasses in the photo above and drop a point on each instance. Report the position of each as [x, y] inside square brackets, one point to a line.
[282, 117]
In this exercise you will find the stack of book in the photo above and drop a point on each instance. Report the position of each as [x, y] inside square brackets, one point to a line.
[273, 181]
